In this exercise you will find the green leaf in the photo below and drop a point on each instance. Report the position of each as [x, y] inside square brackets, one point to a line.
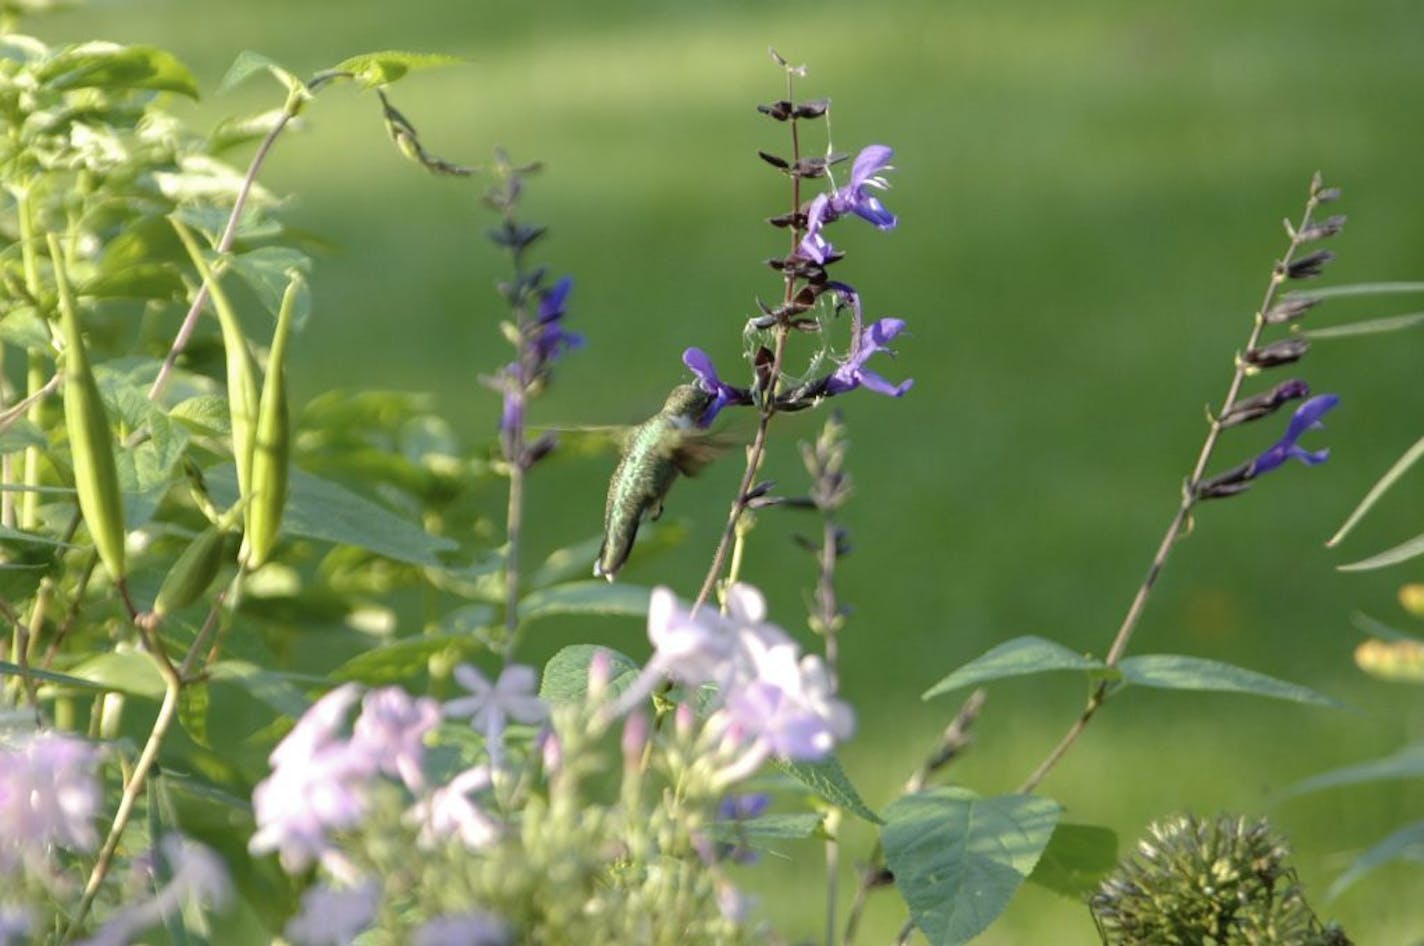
[1406, 844]
[1359, 289]
[268, 270]
[566, 674]
[1407, 763]
[131, 673]
[1371, 627]
[1173, 672]
[958, 859]
[1076, 859]
[50, 676]
[322, 510]
[1392, 323]
[778, 827]
[1400, 553]
[19, 434]
[193, 712]
[277, 690]
[248, 62]
[101, 65]
[586, 597]
[143, 281]
[405, 658]
[1410, 457]
[373, 69]
[829, 782]
[232, 132]
[1015, 658]
[203, 414]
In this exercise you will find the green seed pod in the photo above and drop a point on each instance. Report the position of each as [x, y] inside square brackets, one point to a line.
[242, 387]
[193, 573]
[272, 445]
[91, 444]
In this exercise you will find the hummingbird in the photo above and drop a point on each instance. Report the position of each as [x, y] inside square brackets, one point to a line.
[654, 453]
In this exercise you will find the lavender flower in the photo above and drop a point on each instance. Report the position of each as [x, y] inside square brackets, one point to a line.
[734, 810]
[318, 784]
[449, 810]
[392, 728]
[197, 875]
[855, 198]
[49, 795]
[463, 929]
[853, 373]
[723, 394]
[490, 706]
[16, 925]
[333, 916]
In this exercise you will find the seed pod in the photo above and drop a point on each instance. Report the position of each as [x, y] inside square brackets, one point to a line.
[192, 574]
[91, 444]
[272, 444]
[242, 387]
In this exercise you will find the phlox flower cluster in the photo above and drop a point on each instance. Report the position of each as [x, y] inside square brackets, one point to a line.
[327, 775]
[769, 699]
[49, 798]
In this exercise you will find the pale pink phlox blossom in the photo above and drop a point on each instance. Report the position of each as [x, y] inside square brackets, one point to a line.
[463, 929]
[197, 875]
[392, 729]
[491, 706]
[335, 916]
[49, 796]
[319, 783]
[449, 810]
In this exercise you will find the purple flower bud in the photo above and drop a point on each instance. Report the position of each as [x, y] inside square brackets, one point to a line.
[635, 739]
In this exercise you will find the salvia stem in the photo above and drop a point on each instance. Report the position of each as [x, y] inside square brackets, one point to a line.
[1182, 518]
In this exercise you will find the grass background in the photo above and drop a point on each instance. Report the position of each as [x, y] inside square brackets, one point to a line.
[1090, 195]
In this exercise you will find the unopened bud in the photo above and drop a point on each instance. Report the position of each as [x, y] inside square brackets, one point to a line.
[1309, 266]
[1265, 403]
[635, 739]
[1288, 310]
[552, 752]
[600, 668]
[1283, 352]
[684, 721]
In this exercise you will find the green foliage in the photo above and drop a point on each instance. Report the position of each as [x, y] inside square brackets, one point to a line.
[828, 781]
[1173, 672]
[958, 859]
[1014, 658]
[1078, 856]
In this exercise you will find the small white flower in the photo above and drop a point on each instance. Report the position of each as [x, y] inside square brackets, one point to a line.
[490, 706]
[449, 810]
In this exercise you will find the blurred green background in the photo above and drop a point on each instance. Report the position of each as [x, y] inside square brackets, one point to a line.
[1090, 196]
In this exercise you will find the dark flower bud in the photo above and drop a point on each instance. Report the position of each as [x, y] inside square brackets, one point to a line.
[1282, 352]
[762, 364]
[1320, 229]
[1289, 309]
[763, 323]
[540, 449]
[1233, 481]
[797, 219]
[1265, 403]
[776, 162]
[780, 110]
[810, 168]
[1309, 266]
[812, 109]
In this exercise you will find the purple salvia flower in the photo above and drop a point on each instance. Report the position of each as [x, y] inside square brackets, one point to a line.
[392, 728]
[855, 198]
[736, 809]
[723, 394]
[333, 916]
[49, 796]
[1306, 417]
[814, 246]
[549, 336]
[865, 173]
[490, 706]
[463, 929]
[853, 373]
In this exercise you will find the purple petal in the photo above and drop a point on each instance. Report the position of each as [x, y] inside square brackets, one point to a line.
[1308, 415]
[551, 304]
[874, 382]
[701, 364]
[871, 160]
